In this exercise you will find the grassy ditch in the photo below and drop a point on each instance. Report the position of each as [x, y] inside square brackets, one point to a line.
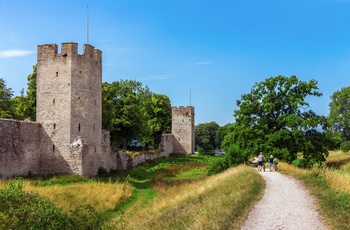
[222, 201]
[330, 185]
[167, 193]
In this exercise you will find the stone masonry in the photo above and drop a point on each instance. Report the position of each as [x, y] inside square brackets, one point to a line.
[68, 137]
[183, 129]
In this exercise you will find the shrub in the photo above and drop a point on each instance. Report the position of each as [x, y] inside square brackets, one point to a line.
[102, 172]
[345, 146]
[26, 210]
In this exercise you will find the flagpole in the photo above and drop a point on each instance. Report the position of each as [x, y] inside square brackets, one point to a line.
[87, 24]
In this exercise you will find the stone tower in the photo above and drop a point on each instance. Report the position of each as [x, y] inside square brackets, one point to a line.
[69, 107]
[183, 129]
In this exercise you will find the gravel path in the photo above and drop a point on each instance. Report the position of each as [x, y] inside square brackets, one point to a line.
[285, 205]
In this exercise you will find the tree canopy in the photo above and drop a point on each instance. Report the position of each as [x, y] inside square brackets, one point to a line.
[275, 118]
[5, 100]
[24, 106]
[133, 114]
[339, 115]
[205, 135]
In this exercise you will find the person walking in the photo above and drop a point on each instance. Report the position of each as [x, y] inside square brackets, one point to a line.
[271, 163]
[261, 160]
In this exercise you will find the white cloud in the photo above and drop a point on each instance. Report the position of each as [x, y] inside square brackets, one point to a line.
[15, 53]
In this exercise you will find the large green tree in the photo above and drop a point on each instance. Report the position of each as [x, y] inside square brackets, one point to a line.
[5, 100]
[205, 135]
[275, 118]
[158, 112]
[122, 111]
[24, 106]
[339, 115]
[133, 114]
[221, 132]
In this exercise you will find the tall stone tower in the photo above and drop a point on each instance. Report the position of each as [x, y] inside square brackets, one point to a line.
[183, 129]
[69, 107]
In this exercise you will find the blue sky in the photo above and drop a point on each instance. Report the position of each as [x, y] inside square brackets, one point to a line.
[205, 53]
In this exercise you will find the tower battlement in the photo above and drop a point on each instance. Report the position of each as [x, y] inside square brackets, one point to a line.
[68, 50]
[183, 110]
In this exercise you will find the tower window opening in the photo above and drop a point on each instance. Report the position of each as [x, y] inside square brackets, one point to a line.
[79, 128]
[53, 148]
[56, 74]
[53, 101]
[95, 148]
[54, 126]
[95, 101]
[93, 128]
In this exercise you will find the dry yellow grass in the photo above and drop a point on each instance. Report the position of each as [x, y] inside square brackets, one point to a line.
[338, 179]
[101, 196]
[287, 168]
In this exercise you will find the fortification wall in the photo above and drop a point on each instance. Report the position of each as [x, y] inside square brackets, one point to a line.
[125, 162]
[19, 152]
[25, 148]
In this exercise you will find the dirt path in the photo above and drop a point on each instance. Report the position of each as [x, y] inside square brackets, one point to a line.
[285, 205]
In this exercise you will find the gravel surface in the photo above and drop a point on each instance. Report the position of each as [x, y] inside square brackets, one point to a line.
[285, 205]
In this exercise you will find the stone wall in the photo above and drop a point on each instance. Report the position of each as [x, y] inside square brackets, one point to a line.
[125, 162]
[26, 148]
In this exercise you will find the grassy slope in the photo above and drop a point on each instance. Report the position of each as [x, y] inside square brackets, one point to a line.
[330, 186]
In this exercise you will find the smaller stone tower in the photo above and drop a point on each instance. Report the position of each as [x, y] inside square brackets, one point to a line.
[183, 129]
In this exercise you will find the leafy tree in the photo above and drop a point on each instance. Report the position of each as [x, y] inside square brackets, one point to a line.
[133, 114]
[124, 118]
[275, 118]
[339, 116]
[221, 132]
[24, 106]
[205, 135]
[159, 117]
[5, 100]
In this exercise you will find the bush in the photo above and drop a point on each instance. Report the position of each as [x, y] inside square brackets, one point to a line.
[26, 210]
[102, 172]
[233, 156]
[217, 166]
[345, 146]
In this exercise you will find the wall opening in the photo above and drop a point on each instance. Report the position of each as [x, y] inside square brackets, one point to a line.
[53, 101]
[53, 148]
[56, 74]
[54, 126]
[79, 127]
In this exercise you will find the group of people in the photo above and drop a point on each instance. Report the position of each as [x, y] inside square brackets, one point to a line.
[272, 162]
